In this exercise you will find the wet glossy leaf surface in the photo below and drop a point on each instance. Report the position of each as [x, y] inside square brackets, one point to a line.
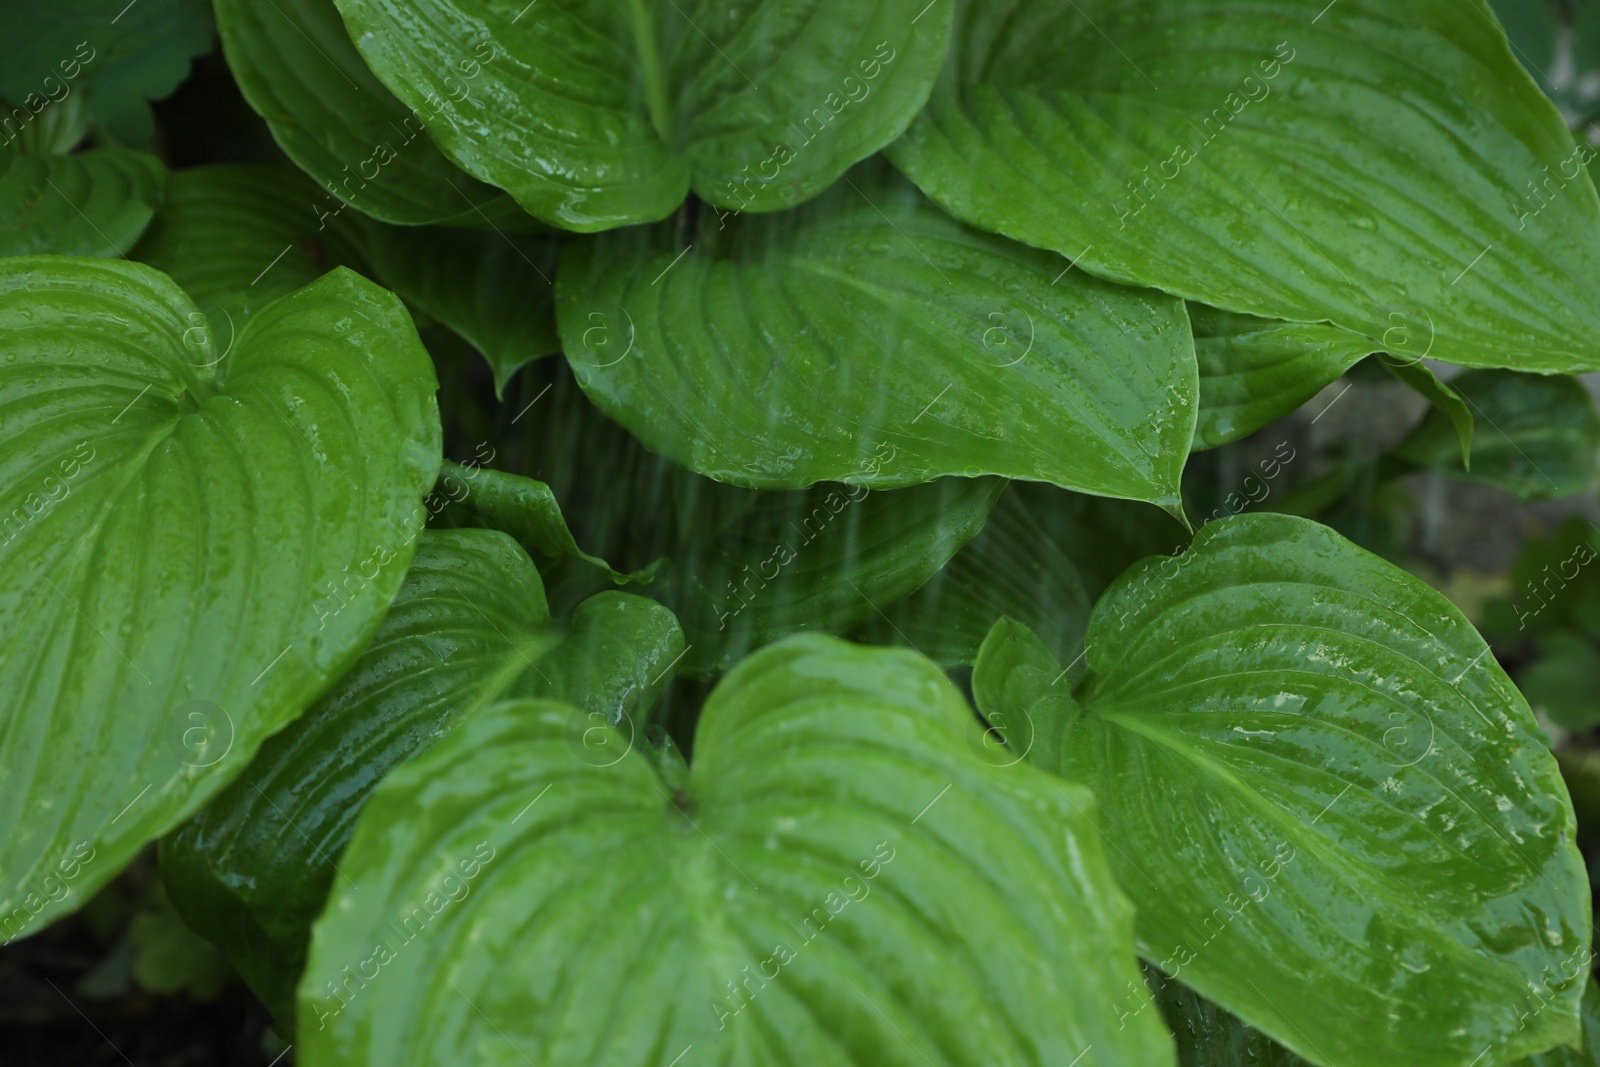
[840, 878]
[95, 203]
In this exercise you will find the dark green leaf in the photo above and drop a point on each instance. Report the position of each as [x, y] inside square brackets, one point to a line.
[1207, 1035]
[1014, 567]
[1539, 438]
[296, 66]
[839, 881]
[1562, 682]
[824, 559]
[492, 288]
[596, 114]
[866, 337]
[177, 520]
[237, 237]
[1363, 163]
[120, 57]
[91, 204]
[252, 871]
[1335, 814]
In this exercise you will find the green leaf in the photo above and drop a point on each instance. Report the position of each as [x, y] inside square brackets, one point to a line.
[1366, 164]
[1540, 437]
[92, 204]
[296, 66]
[601, 114]
[868, 338]
[841, 880]
[1254, 371]
[1015, 567]
[237, 237]
[119, 57]
[1561, 682]
[1446, 402]
[492, 288]
[1207, 1036]
[175, 518]
[1589, 1055]
[251, 872]
[824, 559]
[1335, 814]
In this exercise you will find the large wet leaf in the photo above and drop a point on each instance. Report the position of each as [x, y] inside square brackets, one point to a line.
[1363, 162]
[296, 66]
[840, 880]
[94, 203]
[1015, 567]
[1539, 434]
[867, 337]
[112, 59]
[251, 872]
[596, 114]
[822, 559]
[237, 237]
[196, 544]
[1335, 814]
[493, 288]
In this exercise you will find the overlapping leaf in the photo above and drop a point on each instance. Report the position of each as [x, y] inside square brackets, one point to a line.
[252, 871]
[1367, 163]
[839, 881]
[867, 337]
[177, 523]
[94, 203]
[1334, 811]
[296, 66]
[596, 114]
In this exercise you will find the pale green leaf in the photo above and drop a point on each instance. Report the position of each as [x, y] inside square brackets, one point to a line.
[840, 880]
[1334, 813]
[177, 524]
[596, 113]
[1364, 163]
[868, 338]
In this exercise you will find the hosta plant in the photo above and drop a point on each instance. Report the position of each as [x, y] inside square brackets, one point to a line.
[656, 534]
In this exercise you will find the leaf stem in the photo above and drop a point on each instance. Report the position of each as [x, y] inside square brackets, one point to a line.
[655, 86]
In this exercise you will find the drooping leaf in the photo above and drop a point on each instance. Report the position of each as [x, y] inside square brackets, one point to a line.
[174, 518]
[1348, 163]
[236, 237]
[1539, 438]
[296, 66]
[1445, 401]
[251, 872]
[823, 559]
[1014, 567]
[598, 114]
[491, 287]
[119, 57]
[867, 337]
[1335, 814]
[840, 878]
[1254, 371]
[95, 203]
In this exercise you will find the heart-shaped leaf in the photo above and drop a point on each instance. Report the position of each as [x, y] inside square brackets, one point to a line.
[867, 337]
[841, 880]
[1335, 814]
[94, 203]
[1540, 436]
[596, 114]
[251, 871]
[236, 237]
[296, 66]
[197, 542]
[1366, 163]
[491, 287]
